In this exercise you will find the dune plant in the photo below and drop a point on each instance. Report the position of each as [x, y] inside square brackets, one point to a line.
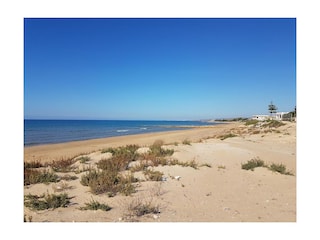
[116, 163]
[138, 207]
[229, 135]
[280, 168]
[157, 150]
[252, 164]
[251, 122]
[91, 175]
[192, 163]
[33, 176]
[106, 181]
[95, 205]
[63, 165]
[46, 201]
[125, 152]
[273, 124]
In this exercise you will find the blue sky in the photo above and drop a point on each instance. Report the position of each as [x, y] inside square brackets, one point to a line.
[160, 69]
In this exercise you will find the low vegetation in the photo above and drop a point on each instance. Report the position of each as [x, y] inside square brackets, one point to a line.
[95, 205]
[256, 162]
[229, 135]
[252, 164]
[239, 119]
[273, 124]
[157, 150]
[192, 163]
[126, 152]
[106, 181]
[280, 168]
[111, 176]
[33, 176]
[63, 165]
[251, 122]
[138, 208]
[46, 201]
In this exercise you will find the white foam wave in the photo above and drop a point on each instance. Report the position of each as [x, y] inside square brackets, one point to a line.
[123, 130]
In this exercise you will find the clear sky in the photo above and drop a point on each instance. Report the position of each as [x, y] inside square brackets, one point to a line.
[160, 69]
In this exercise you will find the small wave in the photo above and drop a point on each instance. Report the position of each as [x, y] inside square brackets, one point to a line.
[144, 128]
[123, 130]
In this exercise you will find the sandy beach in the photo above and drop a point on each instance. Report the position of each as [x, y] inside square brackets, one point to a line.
[218, 190]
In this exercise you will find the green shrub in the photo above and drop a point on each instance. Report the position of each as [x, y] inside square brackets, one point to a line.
[251, 122]
[280, 168]
[126, 152]
[252, 164]
[110, 182]
[229, 135]
[273, 124]
[62, 165]
[126, 186]
[91, 175]
[33, 176]
[116, 163]
[95, 205]
[106, 182]
[46, 201]
[157, 150]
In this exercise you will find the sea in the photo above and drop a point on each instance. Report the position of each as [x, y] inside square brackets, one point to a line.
[39, 132]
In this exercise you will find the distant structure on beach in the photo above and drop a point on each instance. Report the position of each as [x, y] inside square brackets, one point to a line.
[274, 115]
[280, 116]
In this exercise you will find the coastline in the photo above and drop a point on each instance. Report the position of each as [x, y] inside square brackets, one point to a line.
[219, 190]
[54, 151]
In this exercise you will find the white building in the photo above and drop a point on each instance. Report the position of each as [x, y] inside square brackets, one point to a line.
[280, 116]
[261, 117]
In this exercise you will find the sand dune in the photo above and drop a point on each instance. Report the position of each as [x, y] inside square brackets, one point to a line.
[218, 191]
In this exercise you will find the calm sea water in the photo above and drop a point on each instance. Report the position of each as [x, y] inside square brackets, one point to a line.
[38, 132]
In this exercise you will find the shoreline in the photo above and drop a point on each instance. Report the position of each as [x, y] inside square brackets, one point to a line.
[217, 190]
[52, 151]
